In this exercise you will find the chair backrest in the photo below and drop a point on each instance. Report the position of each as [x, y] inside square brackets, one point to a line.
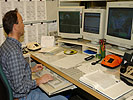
[5, 85]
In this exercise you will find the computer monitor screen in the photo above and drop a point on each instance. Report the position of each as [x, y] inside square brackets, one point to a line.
[119, 24]
[69, 21]
[93, 24]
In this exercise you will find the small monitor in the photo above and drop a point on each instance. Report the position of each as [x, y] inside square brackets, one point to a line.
[93, 24]
[69, 21]
[119, 24]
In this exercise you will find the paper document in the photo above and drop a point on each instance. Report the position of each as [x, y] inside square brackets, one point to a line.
[88, 67]
[5, 6]
[20, 6]
[30, 8]
[98, 79]
[52, 27]
[47, 41]
[2, 36]
[41, 10]
[31, 33]
[50, 49]
[69, 61]
[106, 84]
[42, 30]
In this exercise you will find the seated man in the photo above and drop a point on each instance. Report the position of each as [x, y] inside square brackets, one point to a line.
[16, 69]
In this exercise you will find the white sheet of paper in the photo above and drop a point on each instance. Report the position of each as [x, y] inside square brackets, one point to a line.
[30, 11]
[42, 30]
[20, 6]
[107, 84]
[31, 32]
[48, 49]
[47, 41]
[69, 61]
[41, 10]
[88, 67]
[52, 27]
[2, 36]
[5, 6]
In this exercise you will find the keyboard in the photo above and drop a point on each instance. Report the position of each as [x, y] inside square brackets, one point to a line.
[58, 80]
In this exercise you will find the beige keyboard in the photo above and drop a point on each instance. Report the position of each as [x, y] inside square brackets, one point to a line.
[58, 80]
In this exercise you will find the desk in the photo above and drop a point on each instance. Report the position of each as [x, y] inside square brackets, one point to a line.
[47, 62]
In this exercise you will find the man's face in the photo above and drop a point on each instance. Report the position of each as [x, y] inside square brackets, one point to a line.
[20, 25]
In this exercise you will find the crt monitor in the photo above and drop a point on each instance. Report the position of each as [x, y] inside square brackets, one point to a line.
[119, 24]
[93, 24]
[69, 22]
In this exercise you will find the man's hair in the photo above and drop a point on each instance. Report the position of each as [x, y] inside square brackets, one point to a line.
[9, 19]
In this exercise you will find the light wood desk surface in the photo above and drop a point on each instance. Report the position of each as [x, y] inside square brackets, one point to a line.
[67, 77]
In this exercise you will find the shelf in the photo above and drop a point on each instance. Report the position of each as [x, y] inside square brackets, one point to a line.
[86, 45]
[34, 22]
[78, 42]
[91, 45]
[116, 51]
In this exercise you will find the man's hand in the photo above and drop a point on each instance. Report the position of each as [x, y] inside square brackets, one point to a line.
[44, 79]
[37, 68]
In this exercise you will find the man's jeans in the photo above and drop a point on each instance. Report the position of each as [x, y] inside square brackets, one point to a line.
[37, 94]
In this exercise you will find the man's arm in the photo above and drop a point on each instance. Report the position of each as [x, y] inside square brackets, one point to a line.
[45, 78]
[19, 74]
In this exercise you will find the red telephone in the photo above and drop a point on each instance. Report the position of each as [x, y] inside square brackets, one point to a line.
[111, 61]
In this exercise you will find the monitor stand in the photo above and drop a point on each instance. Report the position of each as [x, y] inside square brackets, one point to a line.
[94, 43]
[122, 48]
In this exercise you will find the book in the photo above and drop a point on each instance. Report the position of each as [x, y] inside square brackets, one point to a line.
[106, 84]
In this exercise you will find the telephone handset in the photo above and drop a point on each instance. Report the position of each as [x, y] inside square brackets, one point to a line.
[33, 46]
[126, 70]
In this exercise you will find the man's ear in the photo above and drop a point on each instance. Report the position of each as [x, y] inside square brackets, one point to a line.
[14, 27]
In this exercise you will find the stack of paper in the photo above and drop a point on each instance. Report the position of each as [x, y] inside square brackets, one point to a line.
[106, 84]
[69, 61]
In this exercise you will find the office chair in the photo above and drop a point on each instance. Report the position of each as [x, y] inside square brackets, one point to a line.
[5, 89]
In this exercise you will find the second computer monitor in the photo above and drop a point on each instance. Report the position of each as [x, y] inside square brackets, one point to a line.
[93, 24]
[69, 21]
